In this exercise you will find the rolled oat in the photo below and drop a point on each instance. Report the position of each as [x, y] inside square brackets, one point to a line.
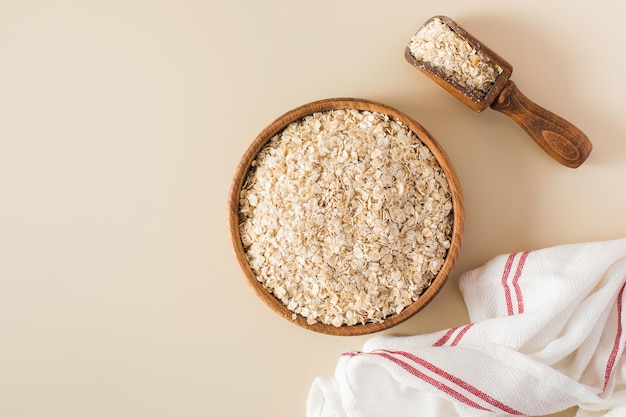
[442, 48]
[345, 217]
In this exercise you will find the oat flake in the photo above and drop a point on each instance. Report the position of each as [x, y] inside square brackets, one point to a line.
[439, 46]
[345, 217]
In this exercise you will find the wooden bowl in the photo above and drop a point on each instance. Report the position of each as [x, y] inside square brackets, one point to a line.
[278, 126]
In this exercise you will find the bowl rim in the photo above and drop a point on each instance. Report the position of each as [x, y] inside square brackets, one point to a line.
[280, 124]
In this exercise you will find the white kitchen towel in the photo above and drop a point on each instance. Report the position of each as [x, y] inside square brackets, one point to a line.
[546, 333]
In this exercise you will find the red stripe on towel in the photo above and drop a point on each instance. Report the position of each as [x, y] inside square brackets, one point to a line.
[513, 286]
[459, 336]
[505, 278]
[453, 379]
[618, 340]
[445, 337]
[437, 384]
[516, 287]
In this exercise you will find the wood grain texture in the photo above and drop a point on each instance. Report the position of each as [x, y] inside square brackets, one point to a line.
[346, 103]
[450, 84]
[560, 139]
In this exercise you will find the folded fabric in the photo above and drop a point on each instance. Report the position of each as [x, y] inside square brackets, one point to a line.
[546, 333]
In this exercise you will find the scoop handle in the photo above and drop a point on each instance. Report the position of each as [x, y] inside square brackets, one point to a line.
[557, 137]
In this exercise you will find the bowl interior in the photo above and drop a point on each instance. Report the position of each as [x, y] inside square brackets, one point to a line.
[278, 126]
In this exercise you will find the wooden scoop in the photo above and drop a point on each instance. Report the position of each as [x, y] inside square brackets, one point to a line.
[560, 139]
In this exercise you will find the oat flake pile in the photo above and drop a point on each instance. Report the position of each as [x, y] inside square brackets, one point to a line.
[439, 46]
[345, 217]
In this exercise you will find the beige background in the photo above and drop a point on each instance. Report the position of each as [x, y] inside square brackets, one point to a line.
[121, 123]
